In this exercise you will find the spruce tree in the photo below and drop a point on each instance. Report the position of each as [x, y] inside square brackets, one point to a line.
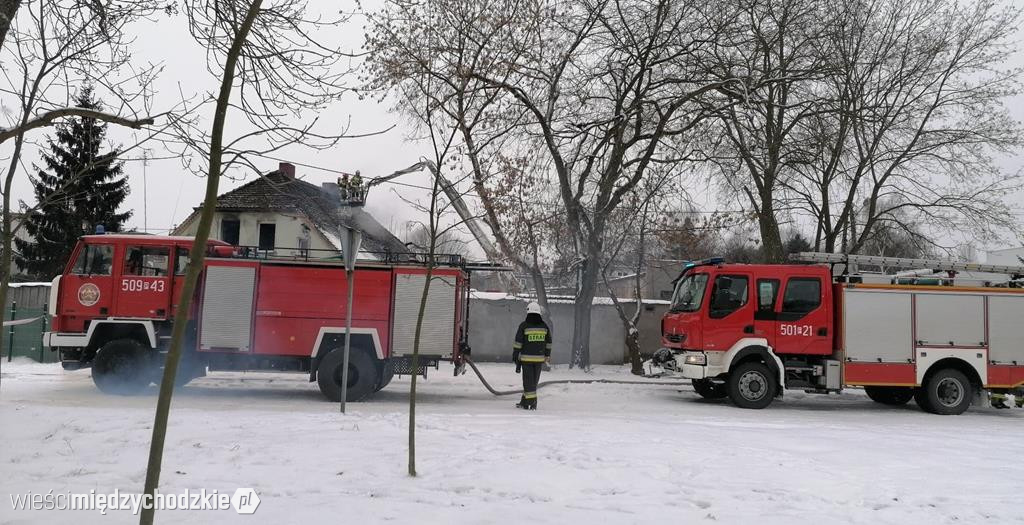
[80, 187]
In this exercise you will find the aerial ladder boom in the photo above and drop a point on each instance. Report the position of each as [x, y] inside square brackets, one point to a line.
[457, 202]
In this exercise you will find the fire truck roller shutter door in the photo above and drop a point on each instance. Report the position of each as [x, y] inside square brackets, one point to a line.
[438, 331]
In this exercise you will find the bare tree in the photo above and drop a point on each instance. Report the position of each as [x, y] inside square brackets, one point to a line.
[407, 61]
[8, 10]
[449, 243]
[605, 85]
[52, 46]
[412, 41]
[637, 224]
[915, 109]
[780, 53]
[265, 48]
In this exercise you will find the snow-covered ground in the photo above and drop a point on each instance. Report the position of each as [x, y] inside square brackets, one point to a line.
[596, 453]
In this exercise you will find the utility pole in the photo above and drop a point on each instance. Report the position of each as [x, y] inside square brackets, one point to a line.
[350, 241]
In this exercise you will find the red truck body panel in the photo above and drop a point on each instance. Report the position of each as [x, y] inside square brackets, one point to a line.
[751, 311]
[899, 334]
[102, 283]
[292, 300]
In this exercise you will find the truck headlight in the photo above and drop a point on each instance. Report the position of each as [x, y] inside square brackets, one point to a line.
[695, 359]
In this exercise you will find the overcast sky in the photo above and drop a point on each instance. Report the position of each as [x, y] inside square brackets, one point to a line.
[163, 193]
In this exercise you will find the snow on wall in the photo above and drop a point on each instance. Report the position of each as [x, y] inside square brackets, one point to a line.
[557, 299]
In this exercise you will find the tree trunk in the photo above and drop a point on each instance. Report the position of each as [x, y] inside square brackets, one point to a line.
[195, 265]
[636, 362]
[416, 364]
[771, 239]
[8, 10]
[582, 309]
[5, 264]
[8, 241]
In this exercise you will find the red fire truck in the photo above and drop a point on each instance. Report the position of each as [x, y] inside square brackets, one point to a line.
[114, 305]
[748, 332]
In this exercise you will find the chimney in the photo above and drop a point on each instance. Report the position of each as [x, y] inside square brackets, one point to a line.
[287, 168]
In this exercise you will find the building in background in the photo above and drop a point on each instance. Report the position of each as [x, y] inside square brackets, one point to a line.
[282, 215]
[16, 272]
[655, 281]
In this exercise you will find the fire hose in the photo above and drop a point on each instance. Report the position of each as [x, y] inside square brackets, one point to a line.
[566, 381]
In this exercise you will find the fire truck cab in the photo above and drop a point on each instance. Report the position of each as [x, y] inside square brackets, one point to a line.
[113, 309]
[748, 332]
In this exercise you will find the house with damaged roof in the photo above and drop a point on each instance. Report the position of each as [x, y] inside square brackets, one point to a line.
[283, 215]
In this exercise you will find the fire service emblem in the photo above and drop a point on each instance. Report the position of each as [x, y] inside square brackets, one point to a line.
[88, 294]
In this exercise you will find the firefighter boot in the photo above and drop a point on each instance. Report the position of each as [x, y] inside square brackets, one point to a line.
[530, 401]
[523, 403]
[999, 401]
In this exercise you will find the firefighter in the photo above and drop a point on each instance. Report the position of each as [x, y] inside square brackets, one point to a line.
[999, 399]
[532, 348]
[356, 187]
[343, 185]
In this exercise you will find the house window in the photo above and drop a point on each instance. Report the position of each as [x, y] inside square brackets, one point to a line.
[229, 231]
[268, 233]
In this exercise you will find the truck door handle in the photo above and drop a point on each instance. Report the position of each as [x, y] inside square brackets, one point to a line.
[823, 331]
[749, 329]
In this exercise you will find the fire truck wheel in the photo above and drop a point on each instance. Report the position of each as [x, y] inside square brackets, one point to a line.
[889, 395]
[709, 390]
[921, 398]
[387, 373]
[363, 375]
[122, 366]
[948, 392]
[752, 385]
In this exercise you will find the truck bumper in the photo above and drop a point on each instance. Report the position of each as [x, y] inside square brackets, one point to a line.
[52, 339]
[698, 365]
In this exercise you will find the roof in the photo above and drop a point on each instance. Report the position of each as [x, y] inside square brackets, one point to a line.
[322, 206]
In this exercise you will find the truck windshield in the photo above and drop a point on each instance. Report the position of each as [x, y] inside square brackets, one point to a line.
[689, 293]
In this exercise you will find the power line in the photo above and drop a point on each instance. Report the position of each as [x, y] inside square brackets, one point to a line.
[427, 188]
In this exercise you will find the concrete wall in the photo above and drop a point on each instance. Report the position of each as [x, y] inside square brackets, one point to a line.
[493, 323]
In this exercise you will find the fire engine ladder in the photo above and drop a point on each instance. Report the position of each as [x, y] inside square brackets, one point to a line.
[852, 261]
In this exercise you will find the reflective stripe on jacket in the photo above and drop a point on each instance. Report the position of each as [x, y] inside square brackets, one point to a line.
[532, 343]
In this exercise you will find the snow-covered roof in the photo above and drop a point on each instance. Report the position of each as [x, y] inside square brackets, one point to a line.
[501, 296]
